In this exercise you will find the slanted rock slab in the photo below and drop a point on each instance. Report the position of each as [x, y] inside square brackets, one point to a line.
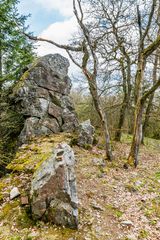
[53, 189]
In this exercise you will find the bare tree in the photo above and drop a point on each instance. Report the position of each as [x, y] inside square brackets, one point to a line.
[140, 98]
[115, 47]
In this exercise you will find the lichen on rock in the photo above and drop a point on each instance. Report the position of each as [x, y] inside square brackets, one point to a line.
[42, 97]
[53, 189]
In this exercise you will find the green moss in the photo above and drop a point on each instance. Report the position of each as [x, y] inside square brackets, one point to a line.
[143, 234]
[9, 210]
[118, 213]
[95, 140]
[24, 76]
[29, 157]
[24, 220]
[153, 222]
[148, 213]
[131, 188]
[156, 207]
[152, 209]
[15, 238]
[88, 175]
[20, 83]
[2, 185]
[157, 175]
[55, 100]
[87, 146]
[114, 211]
[103, 169]
[1, 197]
[73, 141]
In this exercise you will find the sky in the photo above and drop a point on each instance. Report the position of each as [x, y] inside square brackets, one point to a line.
[51, 19]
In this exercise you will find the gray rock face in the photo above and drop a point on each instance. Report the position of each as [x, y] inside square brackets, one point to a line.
[42, 96]
[86, 133]
[53, 189]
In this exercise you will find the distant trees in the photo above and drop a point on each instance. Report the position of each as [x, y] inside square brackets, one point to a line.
[16, 51]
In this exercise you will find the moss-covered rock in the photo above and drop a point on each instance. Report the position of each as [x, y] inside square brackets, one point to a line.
[30, 156]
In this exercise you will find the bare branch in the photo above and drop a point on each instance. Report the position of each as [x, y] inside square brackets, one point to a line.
[150, 91]
[139, 22]
[66, 47]
[150, 19]
[73, 60]
[151, 48]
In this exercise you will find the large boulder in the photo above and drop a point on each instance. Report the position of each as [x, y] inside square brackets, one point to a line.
[86, 134]
[42, 97]
[53, 189]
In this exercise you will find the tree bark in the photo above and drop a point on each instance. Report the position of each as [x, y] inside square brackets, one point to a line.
[126, 100]
[137, 131]
[146, 120]
[93, 90]
[123, 109]
[133, 155]
[0, 65]
[149, 107]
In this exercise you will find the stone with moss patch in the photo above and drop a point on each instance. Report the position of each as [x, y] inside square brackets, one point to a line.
[53, 189]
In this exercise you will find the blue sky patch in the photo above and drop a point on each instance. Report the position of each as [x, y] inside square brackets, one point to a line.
[40, 18]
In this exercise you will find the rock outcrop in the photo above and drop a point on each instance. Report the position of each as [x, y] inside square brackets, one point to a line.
[42, 97]
[53, 189]
[86, 134]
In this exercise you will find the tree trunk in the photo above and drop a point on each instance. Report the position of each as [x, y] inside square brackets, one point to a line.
[137, 131]
[146, 120]
[0, 66]
[137, 135]
[93, 90]
[107, 138]
[126, 75]
[118, 133]
[149, 107]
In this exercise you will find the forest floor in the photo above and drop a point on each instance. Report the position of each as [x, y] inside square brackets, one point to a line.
[114, 203]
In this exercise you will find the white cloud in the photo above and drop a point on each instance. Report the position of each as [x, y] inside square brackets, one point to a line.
[64, 7]
[60, 32]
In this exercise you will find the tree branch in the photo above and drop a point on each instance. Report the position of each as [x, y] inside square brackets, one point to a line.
[65, 47]
[150, 91]
[151, 48]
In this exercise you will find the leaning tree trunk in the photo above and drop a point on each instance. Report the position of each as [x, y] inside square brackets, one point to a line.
[93, 90]
[107, 138]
